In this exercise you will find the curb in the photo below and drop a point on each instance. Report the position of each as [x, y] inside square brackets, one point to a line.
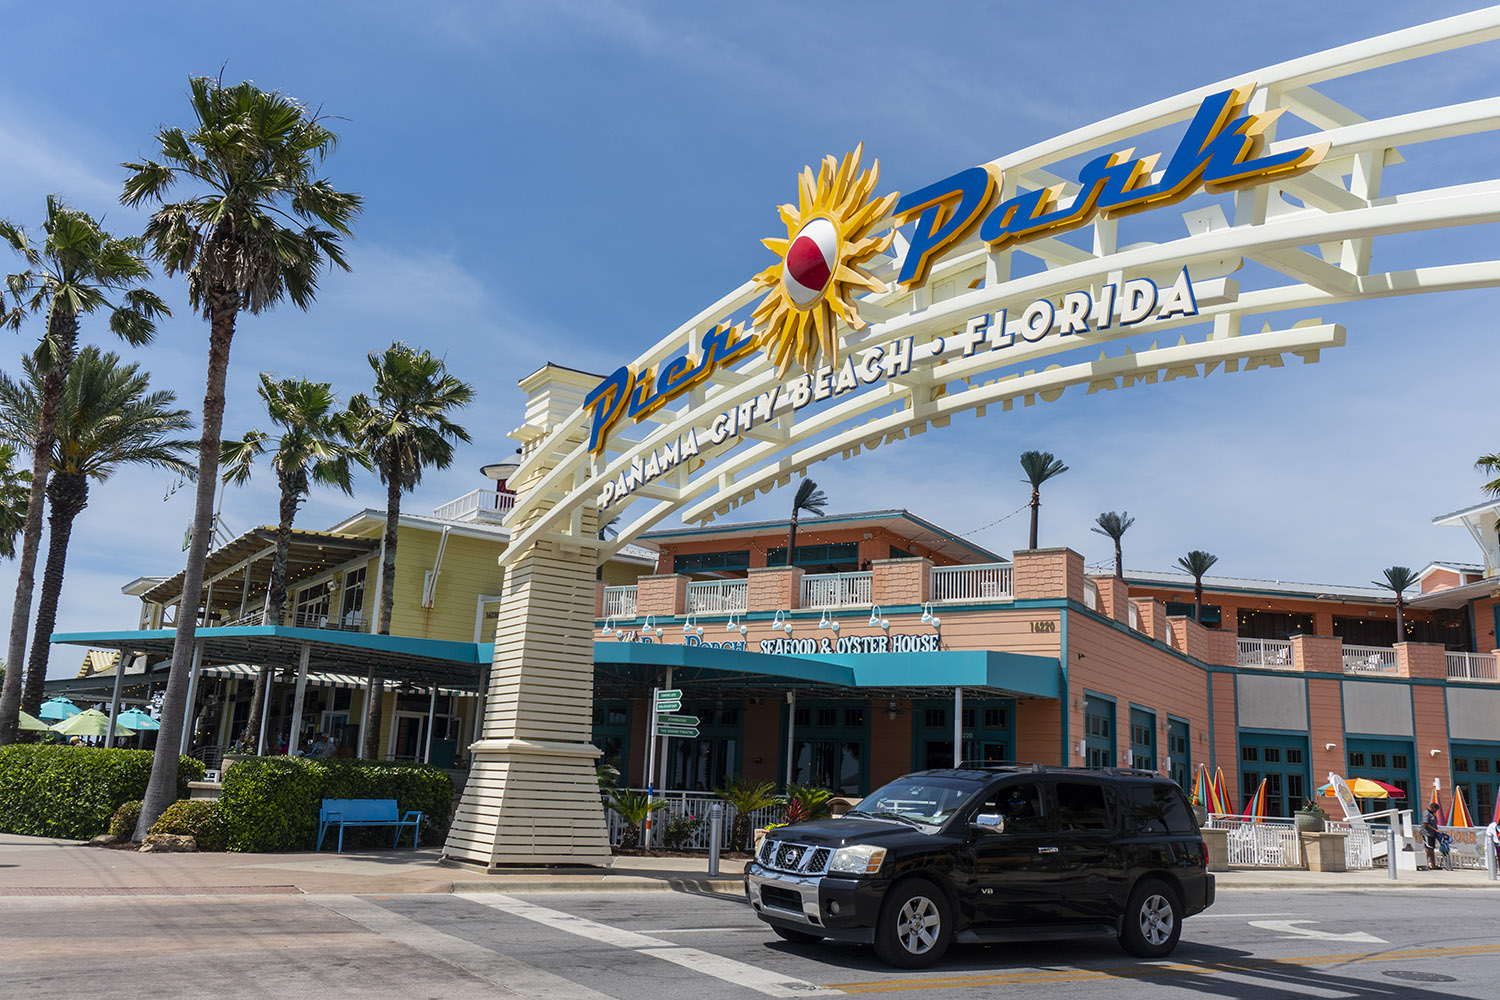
[618, 883]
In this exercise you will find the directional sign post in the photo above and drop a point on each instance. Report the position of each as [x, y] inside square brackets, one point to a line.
[690, 734]
[668, 701]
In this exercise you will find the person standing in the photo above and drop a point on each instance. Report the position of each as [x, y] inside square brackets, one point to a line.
[1430, 834]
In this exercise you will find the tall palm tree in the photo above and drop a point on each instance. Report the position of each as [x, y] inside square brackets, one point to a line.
[15, 490]
[1113, 526]
[109, 418]
[259, 228]
[314, 447]
[1039, 467]
[1197, 563]
[1490, 465]
[1399, 579]
[403, 427]
[76, 269]
[810, 500]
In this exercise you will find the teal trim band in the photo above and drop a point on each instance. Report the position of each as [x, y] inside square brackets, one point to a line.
[1064, 708]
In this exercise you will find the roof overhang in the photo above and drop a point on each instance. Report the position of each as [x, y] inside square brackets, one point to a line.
[311, 552]
[898, 522]
[1456, 597]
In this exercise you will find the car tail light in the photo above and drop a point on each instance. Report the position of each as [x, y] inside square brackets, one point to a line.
[1204, 844]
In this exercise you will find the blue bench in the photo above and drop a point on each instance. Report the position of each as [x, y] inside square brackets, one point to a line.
[366, 812]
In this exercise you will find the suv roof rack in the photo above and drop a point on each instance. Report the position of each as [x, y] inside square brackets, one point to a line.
[1026, 765]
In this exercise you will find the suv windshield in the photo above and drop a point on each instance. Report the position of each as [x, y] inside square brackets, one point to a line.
[918, 799]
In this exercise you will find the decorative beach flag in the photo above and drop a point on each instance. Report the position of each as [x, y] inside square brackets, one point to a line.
[1460, 815]
[1255, 808]
[1202, 790]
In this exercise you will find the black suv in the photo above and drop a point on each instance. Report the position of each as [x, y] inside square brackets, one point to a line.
[993, 854]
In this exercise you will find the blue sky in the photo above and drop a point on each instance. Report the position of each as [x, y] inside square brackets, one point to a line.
[569, 181]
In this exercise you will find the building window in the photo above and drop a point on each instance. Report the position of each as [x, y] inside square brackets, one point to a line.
[1142, 739]
[1255, 624]
[705, 562]
[840, 558]
[1213, 614]
[935, 718]
[352, 601]
[1278, 758]
[831, 753]
[1099, 725]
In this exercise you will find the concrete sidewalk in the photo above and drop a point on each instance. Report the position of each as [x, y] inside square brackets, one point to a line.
[36, 866]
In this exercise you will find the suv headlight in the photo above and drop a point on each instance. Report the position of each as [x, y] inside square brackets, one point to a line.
[860, 859]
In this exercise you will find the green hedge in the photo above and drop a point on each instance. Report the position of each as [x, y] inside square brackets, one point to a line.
[271, 803]
[194, 818]
[71, 792]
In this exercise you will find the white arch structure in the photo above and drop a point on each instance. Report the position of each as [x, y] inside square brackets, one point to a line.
[1300, 243]
[1337, 207]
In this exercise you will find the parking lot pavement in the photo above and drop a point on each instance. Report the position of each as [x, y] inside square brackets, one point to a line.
[663, 946]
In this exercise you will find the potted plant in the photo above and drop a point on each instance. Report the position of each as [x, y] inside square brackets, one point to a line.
[1310, 818]
[1200, 811]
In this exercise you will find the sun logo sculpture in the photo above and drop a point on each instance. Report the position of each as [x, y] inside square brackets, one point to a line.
[811, 287]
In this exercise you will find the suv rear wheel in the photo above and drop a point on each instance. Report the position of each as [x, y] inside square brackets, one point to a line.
[1153, 920]
[915, 925]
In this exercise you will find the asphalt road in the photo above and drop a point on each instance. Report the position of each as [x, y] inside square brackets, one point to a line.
[664, 945]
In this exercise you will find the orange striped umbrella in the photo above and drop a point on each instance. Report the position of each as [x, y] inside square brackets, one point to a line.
[1437, 804]
[1256, 808]
[1460, 815]
[1221, 794]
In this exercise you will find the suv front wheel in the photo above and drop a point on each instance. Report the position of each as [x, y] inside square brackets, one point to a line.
[1153, 920]
[915, 925]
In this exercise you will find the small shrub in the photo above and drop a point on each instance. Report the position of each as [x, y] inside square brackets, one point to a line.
[193, 818]
[72, 792]
[272, 803]
[122, 823]
[676, 831]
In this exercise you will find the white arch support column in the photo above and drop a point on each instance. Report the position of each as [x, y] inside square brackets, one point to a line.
[533, 795]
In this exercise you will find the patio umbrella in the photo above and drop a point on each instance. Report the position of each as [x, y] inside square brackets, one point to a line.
[1256, 808]
[1202, 790]
[33, 723]
[1220, 793]
[1366, 788]
[136, 719]
[1460, 815]
[1436, 803]
[90, 723]
[57, 709]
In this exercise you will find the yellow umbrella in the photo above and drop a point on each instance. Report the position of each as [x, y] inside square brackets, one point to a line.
[1367, 788]
[34, 724]
[90, 723]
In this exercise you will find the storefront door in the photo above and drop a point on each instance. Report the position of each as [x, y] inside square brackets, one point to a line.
[1476, 769]
[1279, 758]
[988, 734]
[1098, 731]
[1389, 761]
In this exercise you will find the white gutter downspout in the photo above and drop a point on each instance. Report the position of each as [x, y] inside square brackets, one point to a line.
[429, 585]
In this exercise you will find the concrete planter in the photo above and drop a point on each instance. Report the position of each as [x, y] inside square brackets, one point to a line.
[1218, 849]
[1324, 852]
[1309, 820]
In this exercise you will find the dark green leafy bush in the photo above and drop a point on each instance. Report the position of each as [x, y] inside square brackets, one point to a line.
[71, 792]
[272, 803]
[193, 818]
[122, 823]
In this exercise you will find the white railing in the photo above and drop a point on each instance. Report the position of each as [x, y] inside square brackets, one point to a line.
[1369, 660]
[983, 582]
[836, 590]
[1275, 654]
[1472, 667]
[1090, 594]
[1359, 844]
[353, 623]
[1267, 843]
[488, 505]
[619, 602]
[695, 804]
[718, 597]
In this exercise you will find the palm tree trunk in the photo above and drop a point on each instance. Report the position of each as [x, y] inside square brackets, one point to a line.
[1119, 563]
[62, 328]
[68, 494]
[1400, 620]
[1036, 505]
[791, 542]
[1198, 599]
[276, 600]
[371, 728]
[161, 790]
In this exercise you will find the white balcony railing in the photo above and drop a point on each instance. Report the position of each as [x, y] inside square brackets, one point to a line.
[983, 582]
[836, 590]
[718, 597]
[1369, 660]
[353, 622]
[1473, 667]
[1274, 654]
[479, 505]
[619, 602]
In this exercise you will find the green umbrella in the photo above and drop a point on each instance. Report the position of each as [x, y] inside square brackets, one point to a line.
[33, 723]
[90, 723]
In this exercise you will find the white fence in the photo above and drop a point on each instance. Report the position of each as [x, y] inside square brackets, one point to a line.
[1472, 667]
[1269, 843]
[982, 582]
[694, 804]
[619, 602]
[836, 590]
[489, 505]
[1369, 660]
[354, 622]
[1359, 843]
[718, 597]
[1275, 654]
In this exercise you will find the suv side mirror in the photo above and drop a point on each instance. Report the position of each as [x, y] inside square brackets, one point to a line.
[989, 822]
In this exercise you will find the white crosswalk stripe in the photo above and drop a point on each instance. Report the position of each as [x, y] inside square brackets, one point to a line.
[760, 980]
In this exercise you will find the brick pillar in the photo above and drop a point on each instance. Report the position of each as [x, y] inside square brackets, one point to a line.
[1048, 574]
[1193, 639]
[775, 588]
[1421, 659]
[1323, 653]
[662, 594]
[901, 581]
[1223, 648]
[1114, 598]
[1153, 617]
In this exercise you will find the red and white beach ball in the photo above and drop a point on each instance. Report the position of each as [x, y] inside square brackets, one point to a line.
[810, 261]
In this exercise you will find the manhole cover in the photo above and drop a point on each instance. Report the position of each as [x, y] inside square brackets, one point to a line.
[1419, 977]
